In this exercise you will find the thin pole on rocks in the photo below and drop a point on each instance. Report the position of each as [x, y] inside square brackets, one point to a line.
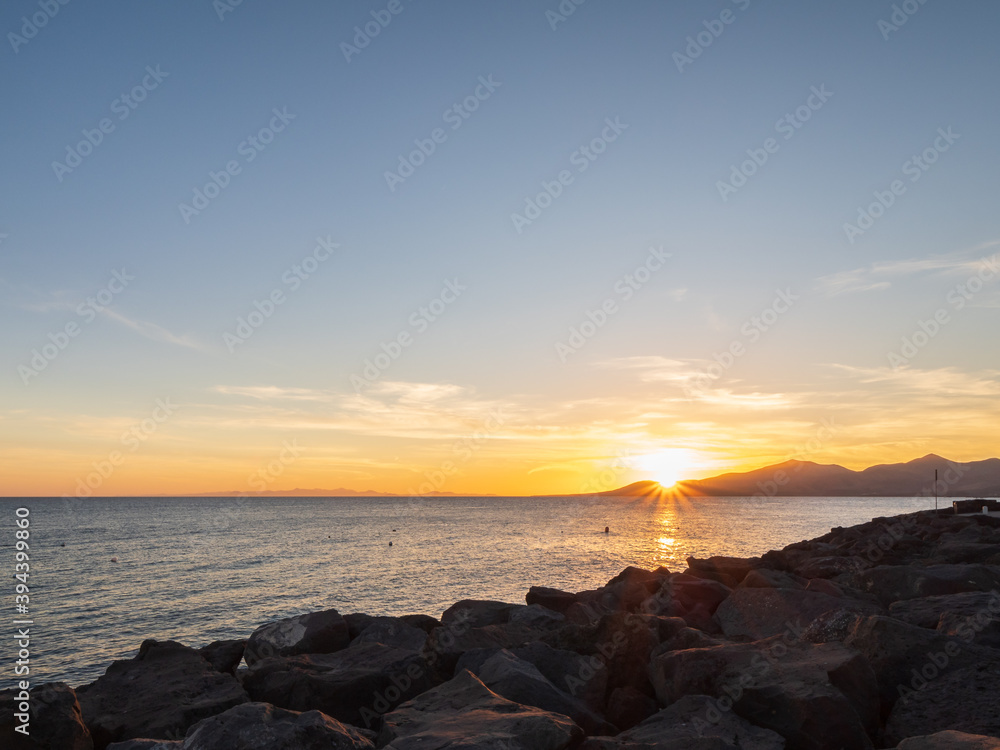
[935, 490]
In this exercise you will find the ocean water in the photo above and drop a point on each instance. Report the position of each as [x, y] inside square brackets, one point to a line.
[200, 569]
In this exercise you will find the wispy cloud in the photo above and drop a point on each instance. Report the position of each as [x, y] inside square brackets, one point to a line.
[153, 331]
[879, 275]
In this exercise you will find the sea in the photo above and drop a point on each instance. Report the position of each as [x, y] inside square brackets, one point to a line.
[107, 573]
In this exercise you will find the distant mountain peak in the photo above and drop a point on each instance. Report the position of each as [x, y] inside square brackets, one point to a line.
[796, 478]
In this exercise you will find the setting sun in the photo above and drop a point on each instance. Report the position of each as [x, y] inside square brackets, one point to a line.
[666, 466]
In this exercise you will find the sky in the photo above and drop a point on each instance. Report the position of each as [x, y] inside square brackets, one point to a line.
[483, 247]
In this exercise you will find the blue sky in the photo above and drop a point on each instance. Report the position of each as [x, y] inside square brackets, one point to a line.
[655, 185]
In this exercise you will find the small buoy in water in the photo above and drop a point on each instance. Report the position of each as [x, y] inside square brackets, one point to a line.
[114, 559]
[390, 544]
[607, 529]
[63, 544]
[393, 529]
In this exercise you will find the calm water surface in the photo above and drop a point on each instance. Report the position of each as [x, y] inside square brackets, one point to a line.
[197, 570]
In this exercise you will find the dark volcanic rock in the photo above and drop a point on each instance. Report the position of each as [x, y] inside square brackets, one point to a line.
[446, 644]
[950, 740]
[693, 599]
[355, 685]
[537, 617]
[973, 616]
[225, 656]
[165, 689]
[628, 707]
[756, 613]
[520, 681]
[477, 613]
[765, 578]
[816, 696]
[464, 713]
[583, 678]
[424, 622]
[312, 633]
[692, 723]
[260, 726]
[554, 599]
[894, 649]
[55, 721]
[831, 626]
[949, 695]
[727, 570]
[893, 583]
[392, 631]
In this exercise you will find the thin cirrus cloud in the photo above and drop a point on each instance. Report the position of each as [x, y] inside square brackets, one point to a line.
[876, 276]
[154, 331]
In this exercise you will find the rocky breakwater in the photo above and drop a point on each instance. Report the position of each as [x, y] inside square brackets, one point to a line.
[882, 635]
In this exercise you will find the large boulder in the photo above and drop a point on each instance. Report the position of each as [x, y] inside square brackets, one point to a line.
[55, 721]
[948, 690]
[949, 740]
[313, 633]
[159, 694]
[554, 599]
[392, 631]
[926, 611]
[582, 678]
[355, 685]
[755, 613]
[973, 615]
[894, 649]
[766, 578]
[537, 617]
[477, 613]
[695, 723]
[520, 681]
[727, 570]
[225, 656]
[464, 713]
[893, 583]
[260, 726]
[822, 697]
[691, 598]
